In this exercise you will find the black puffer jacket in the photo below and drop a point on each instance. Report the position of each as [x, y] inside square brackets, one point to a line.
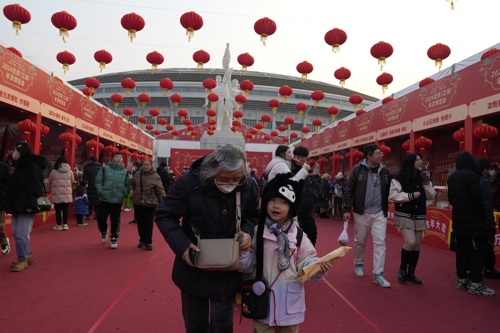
[26, 183]
[90, 172]
[4, 183]
[466, 197]
[309, 193]
[213, 215]
[166, 180]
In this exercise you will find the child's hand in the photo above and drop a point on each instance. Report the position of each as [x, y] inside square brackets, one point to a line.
[245, 241]
[325, 267]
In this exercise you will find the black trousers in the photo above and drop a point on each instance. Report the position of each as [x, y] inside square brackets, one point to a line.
[471, 254]
[489, 263]
[145, 217]
[112, 210]
[337, 206]
[79, 218]
[61, 213]
[204, 315]
[308, 225]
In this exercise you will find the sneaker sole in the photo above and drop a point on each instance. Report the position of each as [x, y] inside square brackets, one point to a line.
[382, 285]
[480, 293]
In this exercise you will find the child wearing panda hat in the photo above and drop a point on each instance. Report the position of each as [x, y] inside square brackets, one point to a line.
[283, 260]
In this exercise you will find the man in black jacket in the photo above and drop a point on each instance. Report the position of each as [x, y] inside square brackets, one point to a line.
[309, 196]
[164, 175]
[470, 228]
[90, 171]
[368, 195]
[4, 190]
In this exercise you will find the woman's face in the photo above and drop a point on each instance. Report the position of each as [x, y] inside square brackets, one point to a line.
[15, 154]
[288, 154]
[226, 177]
[277, 209]
[418, 163]
[146, 166]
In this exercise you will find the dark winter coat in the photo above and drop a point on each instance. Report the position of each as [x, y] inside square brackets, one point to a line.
[81, 201]
[90, 172]
[26, 183]
[151, 184]
[485, 184]
[4, 183]
[309, 192]
[166, 180]
[213, 215]
[324, 193]
[466, 198]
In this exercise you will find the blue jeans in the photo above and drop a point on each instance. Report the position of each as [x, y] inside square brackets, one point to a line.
[196, 312]
[22, 223]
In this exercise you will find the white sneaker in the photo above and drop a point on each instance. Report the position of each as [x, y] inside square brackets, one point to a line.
[358, 270]
[65, 227]
[57, 227]
[379, 279]
[104, 236]
[114, 243]
[127, 209]
[6, 247]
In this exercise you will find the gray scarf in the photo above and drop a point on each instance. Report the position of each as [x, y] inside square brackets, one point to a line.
[283, 250]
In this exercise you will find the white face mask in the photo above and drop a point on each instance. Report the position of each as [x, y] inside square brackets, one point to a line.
[493, 173]
[134, 168]
[15, 156]
[225, 188]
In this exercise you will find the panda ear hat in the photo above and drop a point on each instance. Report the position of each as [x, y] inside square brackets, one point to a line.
[283, 187]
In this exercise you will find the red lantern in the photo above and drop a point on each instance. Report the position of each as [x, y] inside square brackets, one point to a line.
[27, 127]
[92, 145]
[338, 158]
[170, 128]
[176, 99]
[285, 140]
[459, 136]
[78, 139]
[381, 51]
[190, 128]
[65, 22]
[66, 59]
[425, 82]
[240, 99]
[125, 153]
[211, 124]
[162, 121]
[213, 98]
[317, 123]
[210, 133]
[341, 122]
[285, 91]
[191, 22]
[44, 130]
[423, 144]
[143, 98]
[304, 68]
[305, 130]
[489, 53]
[238, 114]
[101, 146]
[485, 133]
[155, 59]
[265, 119]
[406, 146]
[154, 113]
[18, 15]
[149, 127]
[15, 51]
[193, 134]
[289, 122]
[259, 127]
[333, 111]
[245, 60]
[236, 125]
[254, 132]
[342, 74]
[201, 57]
[335, 38]
[273, 104]
[301, 107]
[360, 112]
[141, 120]
[386, 150]
[187, 122]
[209, 84]
[274, 134]
[128, 84]
[387, 100]
[175, 134]
[166, 85]
[246, 86]
[87, 92]
[264, 27]
[116, 99]
[127, 112]
[92, 84]
[282, 128]
[182, 114]
[357, 155]
[384, 80]
[317, 96]
[355, 100]
[133, 23]
[267, 138]
[438, 53]
[211, 113]
[110, 150]
[248, 136]
[294, 136]
[66, 138]
[103, 57]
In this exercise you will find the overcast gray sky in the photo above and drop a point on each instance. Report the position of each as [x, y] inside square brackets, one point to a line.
[410, 26]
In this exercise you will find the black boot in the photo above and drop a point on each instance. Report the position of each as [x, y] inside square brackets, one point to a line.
[405, 258]
[411, 270]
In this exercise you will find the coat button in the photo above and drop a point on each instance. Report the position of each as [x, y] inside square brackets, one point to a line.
[223, 298]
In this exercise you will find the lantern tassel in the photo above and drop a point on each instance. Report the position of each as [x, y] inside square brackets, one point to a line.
[462, 146]
[381, 62]
[189, 33]
[63, 33]
[342, 83]
[263, 39]
[132, 34]
[304, 77]
[17, 25]
[301, 112]
[335, 48]
[102, 65]
[439, 62]
[200, 66]
[243, 69]
[65, 67]
[154, 67]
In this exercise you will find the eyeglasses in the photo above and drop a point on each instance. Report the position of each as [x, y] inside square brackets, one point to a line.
[229, 184]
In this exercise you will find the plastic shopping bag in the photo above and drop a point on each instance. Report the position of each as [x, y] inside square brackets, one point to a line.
[344, 237]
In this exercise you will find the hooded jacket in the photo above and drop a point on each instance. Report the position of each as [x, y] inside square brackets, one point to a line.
[279, 165]
[111, 183]
[213, 214]
[81, 201]
[90, 172]
[4, 183]
[61, 183]
[26, 183]
[466, 198]
[151, 184]
[166, 180]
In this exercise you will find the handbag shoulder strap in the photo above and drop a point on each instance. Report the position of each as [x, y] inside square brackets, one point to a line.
[140, 183]
[238, 212]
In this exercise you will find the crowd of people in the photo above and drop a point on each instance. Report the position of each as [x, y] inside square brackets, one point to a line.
[272, 218]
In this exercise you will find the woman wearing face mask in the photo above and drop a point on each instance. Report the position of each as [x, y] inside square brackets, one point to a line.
[25, 188]
[409, 190]
[281, 163]
[145, 182]
[204, 198]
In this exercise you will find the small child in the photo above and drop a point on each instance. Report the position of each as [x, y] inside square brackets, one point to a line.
[81, 203]
[283, 260]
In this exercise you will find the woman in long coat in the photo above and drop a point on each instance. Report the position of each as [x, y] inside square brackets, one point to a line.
[61, 180]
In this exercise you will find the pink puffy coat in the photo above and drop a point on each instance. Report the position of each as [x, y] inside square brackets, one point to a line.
[61, 182]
